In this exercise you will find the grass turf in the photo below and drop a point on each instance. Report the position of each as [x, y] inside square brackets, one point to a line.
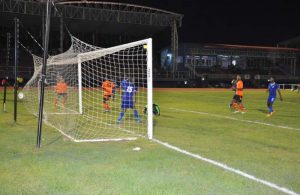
[65, 167]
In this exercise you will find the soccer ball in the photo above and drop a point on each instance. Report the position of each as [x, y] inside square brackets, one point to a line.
[21, 95]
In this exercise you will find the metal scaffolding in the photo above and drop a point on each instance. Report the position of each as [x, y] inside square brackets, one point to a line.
[174, 46]
[287, 55]
[101, 12]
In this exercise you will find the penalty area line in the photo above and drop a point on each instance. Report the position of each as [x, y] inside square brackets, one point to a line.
[227, 168]
[236, 119]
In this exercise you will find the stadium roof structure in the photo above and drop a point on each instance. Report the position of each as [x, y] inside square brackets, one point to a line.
[245, 50]
[96, 11]
[293, 42]
[96, 16]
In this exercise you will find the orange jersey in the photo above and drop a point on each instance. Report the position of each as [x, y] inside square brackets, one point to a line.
[239, 88]
[61, 87]
[107, 87]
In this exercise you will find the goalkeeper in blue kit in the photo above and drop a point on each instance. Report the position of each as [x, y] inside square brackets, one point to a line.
[128, 93]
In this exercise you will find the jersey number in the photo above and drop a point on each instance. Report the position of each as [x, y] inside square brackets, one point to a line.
[129, 89]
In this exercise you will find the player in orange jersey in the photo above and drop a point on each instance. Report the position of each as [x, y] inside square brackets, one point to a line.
[108, 88]
[61, 89]
[237, 103]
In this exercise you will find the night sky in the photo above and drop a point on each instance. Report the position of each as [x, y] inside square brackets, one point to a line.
[234, 22]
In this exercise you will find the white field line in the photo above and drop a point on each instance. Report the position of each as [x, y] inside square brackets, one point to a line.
[228, 168]
[221, 165]
[253, 100]
[61, 113]
[236, 119]
[62, 107]
[290, 102]
[93, 140]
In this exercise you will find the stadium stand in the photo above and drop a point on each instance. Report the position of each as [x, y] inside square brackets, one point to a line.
[215, 64]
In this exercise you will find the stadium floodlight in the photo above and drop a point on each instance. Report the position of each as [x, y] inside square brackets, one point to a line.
[233, 62]
[75, 102]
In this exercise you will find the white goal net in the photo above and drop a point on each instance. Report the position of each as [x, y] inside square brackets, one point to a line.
[96, 94]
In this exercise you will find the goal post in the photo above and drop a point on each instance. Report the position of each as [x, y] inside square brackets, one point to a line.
[92, 56]
[78, 101]
[79, 86]
[150, 89]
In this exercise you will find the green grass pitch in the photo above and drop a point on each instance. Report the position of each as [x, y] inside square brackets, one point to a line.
[198, 121]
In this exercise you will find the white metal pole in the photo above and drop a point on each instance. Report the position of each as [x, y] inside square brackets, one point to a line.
[149, 89]
[79, 85]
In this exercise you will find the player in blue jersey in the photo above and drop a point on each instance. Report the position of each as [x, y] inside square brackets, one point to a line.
[128, 93]
[273, 88]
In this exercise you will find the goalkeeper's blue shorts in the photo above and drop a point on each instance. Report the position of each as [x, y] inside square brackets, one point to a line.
[271, 99]
[127, 104]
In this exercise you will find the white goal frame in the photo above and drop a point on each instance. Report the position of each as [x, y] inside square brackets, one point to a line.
[103, 52]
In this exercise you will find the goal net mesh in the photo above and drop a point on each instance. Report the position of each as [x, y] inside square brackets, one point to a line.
[92, 93]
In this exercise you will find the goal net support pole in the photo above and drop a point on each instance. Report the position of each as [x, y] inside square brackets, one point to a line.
[16, 41]
[6, 77]
[43, 76]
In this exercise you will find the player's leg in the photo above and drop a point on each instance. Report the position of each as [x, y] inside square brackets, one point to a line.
[124, 106]
[56, 100]
[107, 100]
[122, 113]
[231, 103]
[113, 94]
[235, 103]
[270, 106]
[65, 97]
[136, 114]
[241, 105]
[105, 105]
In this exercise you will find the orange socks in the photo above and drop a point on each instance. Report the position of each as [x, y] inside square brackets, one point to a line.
[105, 105]
[242, 107]
[235, 106]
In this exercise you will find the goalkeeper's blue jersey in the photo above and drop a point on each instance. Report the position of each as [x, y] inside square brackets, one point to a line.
[273, 87]
[129, 91]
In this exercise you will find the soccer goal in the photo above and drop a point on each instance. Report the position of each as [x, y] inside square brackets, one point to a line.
[96, 94]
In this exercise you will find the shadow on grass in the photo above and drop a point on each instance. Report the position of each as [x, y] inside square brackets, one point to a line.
[167, 116]
[263, 111]
[53, 140]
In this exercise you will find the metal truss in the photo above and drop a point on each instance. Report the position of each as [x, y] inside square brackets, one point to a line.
[97, 11]
[102, 12]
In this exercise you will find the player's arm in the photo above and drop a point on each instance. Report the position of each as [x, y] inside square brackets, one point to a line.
[103, 85]
[135, 90]
[233, 85]
[122, 88]
[267, 90]
[280, 96]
